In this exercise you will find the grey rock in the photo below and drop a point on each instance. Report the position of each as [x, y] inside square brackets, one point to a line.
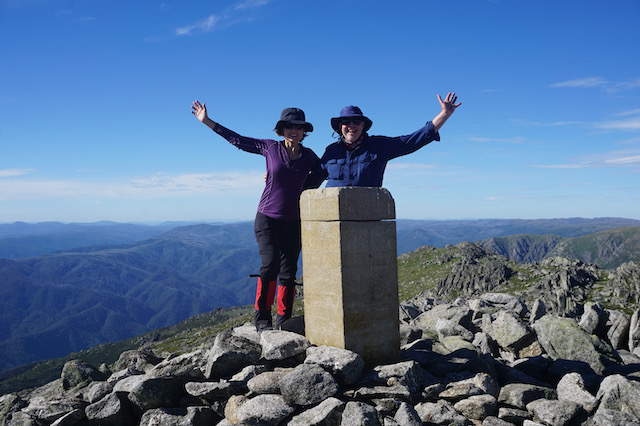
[455, 343]
[405, 373]
[125, 385]
[409, 334]
[22, 419]
[571, 388]
[520, 394]
[307, 384]
[538, 310]
[264, 409]
[97, 390]
[279, 345]
[213, 391]
[477, 407]
[619, 393]
[594, 319]
[499, 299]
[359, 413]
[267, 382]
[554, 412]
[248, 331]
[514, 415]
[397, 392]
[408, 311]
[113, 410]
[495, 421]
[344, 365]
[628, 358]
[72, 418]
[232, 408]
[138, 360]
[442, 378]
[634, 331]
[485, 344]
[460, 390]
[458, 314]
[440, 413]
[230, 354]
[562, 338]
[10, 403]
[248, 372]
[51, 409]
[77, 373]
[507, 330]
[327, 413]
[607, 417]
[407, 416]
[446, 327]
[189, 365]
[156, 392]
[618, 324]
[123, 374]
[189, 416]
[532, 423]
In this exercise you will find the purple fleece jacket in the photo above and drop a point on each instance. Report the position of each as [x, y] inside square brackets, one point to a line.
[285, 177]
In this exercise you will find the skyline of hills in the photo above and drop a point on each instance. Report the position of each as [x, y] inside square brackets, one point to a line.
[69, 300]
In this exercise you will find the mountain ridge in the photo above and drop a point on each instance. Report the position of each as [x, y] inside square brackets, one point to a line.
[127, 289]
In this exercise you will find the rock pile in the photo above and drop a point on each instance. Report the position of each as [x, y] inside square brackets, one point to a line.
[490, 360]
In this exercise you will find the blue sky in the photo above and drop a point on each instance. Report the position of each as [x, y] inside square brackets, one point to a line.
[95, 98]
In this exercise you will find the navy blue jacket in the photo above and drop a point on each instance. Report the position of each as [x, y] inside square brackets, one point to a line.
[365, 165]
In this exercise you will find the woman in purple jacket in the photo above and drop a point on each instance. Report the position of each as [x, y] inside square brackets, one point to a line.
[277, 223]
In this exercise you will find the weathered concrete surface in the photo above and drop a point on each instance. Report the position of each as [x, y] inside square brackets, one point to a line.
[350, 271]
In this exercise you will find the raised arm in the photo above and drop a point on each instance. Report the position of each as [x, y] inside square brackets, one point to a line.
[200, 111]
[448, 106]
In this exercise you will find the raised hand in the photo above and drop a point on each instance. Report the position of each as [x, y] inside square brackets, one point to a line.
[449, 104]
[199, 110]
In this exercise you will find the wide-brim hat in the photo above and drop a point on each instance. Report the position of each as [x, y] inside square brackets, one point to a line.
[294, 116]
[350, 112]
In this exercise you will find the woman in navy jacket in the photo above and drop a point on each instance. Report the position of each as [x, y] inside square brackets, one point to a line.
[358, 159]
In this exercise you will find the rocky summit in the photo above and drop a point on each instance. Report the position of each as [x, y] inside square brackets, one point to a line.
[493, 359]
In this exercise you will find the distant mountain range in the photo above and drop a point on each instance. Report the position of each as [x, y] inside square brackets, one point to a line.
[68, 287]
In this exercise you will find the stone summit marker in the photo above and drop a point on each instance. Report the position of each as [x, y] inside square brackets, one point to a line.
[350, 271]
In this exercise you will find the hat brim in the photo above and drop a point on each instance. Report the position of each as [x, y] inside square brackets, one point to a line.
[335, 122]
[308, 127]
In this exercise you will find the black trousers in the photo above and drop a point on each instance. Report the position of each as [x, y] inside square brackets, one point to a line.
[279, 247]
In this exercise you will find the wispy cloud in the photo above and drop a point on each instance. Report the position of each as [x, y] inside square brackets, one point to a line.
[614, 159]
[583, 82]
[631, 123]
[160, 185]
[624, 161]
[204, 26]
[229, 16]
[513, 140]
[599, 82]
[250, 4]
[67, 14]
[561, 166]
[549, 124]
[13, 172]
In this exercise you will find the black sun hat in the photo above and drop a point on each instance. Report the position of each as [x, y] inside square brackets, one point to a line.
[294, 116]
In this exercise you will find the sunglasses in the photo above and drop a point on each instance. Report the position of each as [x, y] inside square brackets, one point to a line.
[293, 126]
[347, 121]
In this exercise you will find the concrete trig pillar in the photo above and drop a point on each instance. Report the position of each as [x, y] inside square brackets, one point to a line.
[350, 271]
